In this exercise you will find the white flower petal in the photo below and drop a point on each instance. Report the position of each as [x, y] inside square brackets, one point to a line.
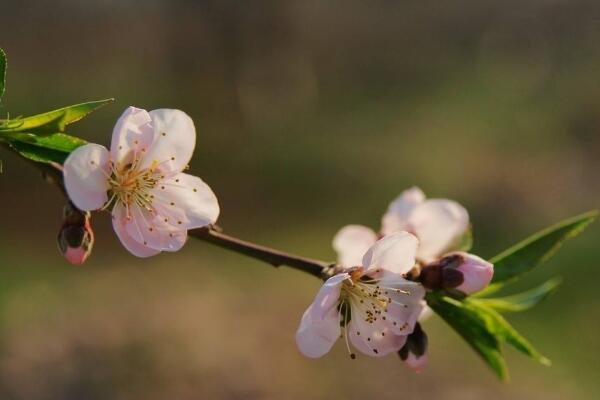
[439, 224]
[151, 230]
[352, 242]
[394, 254]
[190, 195]
[373, 339]
[406, 307]
[315, 337]
[399, 210]
[120, 226]
[320, 325]
[132, 134]
[173, 142]
[85, 176]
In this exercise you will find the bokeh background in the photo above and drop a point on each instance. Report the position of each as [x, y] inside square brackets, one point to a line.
[310, 115]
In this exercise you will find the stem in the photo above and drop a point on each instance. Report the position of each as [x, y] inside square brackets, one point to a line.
[212, 234]
[276, 258]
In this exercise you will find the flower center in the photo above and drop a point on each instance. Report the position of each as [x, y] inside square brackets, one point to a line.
[132, 185]
[366, 297]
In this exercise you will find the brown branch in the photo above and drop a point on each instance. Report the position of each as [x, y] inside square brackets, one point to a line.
[212, 234]
[276, 258]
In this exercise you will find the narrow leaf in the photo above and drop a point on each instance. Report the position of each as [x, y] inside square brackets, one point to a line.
[536, 249]
[55, 147]
[498, 326]
[472, 328]
[521, 301]
[53, 121]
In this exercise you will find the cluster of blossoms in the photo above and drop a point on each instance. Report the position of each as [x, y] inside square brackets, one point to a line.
[376, 298]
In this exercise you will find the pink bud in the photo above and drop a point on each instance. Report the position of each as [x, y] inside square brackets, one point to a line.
[76, 238]
[416, 363]
[414, 351]
[477, 273]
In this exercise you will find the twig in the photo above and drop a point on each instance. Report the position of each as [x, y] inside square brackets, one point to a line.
[212, 234]
[276, 258]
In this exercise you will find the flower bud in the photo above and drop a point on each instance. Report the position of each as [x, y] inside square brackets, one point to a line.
[477, 274]
[75, 238]
[464, 272]
[414, 351]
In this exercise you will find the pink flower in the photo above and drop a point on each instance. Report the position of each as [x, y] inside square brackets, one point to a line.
[439, 225]
[372, 303]
[153, 203]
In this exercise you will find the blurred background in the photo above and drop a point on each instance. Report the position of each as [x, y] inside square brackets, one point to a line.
[310, 115]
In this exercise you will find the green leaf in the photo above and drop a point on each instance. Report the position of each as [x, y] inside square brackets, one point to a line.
[53, 121]
[55, 147]
[498, 326]
[535, 250]
[483, 329]
[472, 328]
[2, 72]
[521, 301]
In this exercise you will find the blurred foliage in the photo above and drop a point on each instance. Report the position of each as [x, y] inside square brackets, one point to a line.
[311, 115]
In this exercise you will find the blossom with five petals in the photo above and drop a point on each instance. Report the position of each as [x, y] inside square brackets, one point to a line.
[372, 303]
[153, 203]
[439, 224]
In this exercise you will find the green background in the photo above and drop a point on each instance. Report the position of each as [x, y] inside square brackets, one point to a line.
[310, 115]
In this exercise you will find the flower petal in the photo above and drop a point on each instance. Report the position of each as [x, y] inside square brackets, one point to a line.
[352, 242]
[189, 195]
[406, 303]
[373, 339]
[439, 224]
[320, 325]
[85, 176]
[394, 254]
[151, 230]
[173, 141]
[477, 273]
[399, 210]
[119, 221]
[132, 134]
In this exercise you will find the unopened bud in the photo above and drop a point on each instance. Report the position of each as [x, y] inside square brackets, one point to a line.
[75, 238]
[464, 272]
[414, 351]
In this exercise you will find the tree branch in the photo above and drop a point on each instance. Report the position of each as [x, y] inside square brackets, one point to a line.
[276, 258]
[212, 234]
